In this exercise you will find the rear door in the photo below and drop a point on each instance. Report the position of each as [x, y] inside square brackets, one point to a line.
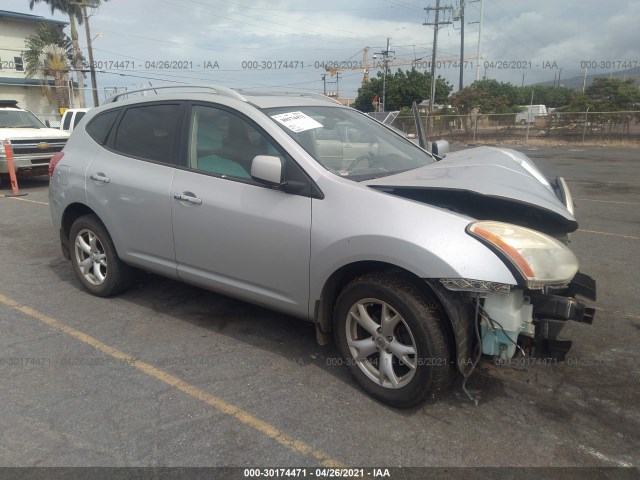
[128, 183]
[232, 234]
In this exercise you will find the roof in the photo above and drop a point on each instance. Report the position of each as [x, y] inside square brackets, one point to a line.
[25, 17]
[204, 92]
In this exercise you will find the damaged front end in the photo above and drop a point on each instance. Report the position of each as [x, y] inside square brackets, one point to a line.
[513, 321]
[530, 323]
[524, 319]
[530, 317]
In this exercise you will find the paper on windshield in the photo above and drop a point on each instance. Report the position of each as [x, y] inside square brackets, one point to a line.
[296, 121]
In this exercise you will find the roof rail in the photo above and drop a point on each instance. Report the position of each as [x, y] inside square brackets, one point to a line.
[225, 91]
[317, 96]
[320, 96]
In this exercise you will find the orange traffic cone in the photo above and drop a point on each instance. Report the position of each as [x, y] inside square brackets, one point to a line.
[15, 192]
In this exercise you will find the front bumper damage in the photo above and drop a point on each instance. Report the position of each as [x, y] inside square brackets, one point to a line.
[530, 322]
[551, 311]
[513, 321]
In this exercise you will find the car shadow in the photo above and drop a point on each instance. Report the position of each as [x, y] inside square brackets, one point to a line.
[287, 337]
[24, 183]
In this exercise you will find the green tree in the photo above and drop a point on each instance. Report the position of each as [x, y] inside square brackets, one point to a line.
[490, 95]
[499, 97]
[402, 89]
[48, 51]
[74, 10]
[544, 95]
[611, 94]
[579, 102]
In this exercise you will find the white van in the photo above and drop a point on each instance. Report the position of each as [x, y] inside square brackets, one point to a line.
[530, 112]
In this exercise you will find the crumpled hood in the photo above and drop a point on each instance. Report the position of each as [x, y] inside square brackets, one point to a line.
[493, 172]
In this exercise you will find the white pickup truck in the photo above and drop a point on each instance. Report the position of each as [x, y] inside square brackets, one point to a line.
[71, 118]
[32, 143]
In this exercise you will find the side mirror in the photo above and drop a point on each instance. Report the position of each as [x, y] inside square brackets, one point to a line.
[440, 147]
[47, 123]
[267, 169]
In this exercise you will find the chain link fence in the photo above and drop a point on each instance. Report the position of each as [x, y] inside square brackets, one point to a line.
[557, 127]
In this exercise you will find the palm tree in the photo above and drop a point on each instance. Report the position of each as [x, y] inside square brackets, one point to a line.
[55, 63]
[75, 12]
[49, 52]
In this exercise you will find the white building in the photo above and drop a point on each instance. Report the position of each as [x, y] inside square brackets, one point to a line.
[14, 85]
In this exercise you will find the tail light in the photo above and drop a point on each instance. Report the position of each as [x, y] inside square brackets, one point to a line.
[54, 161]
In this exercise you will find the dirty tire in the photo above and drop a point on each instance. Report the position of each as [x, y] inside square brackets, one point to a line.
[95, 259]
[393, 339]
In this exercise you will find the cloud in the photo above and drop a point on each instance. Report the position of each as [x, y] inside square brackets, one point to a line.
[232, 32]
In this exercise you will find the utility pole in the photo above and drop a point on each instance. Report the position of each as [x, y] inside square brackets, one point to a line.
[92, 67]
[436, 26]
[479, 41]
[461, 84]
[324, 83]
[385, 58]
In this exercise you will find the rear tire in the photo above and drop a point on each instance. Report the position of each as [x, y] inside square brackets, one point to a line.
[393, 339]
[95, 259]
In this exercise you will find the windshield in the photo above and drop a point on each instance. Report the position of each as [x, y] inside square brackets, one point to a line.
[348, 143]
[19, 119]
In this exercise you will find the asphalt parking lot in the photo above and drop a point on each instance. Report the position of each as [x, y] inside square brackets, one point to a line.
[171, 375]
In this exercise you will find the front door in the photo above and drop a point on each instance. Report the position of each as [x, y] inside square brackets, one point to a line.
[232, 234]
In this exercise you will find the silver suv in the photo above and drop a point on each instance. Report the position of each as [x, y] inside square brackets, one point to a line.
[415, 264]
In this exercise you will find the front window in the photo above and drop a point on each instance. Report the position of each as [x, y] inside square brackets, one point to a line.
[19, 119]
[349, 143]
[224, 144]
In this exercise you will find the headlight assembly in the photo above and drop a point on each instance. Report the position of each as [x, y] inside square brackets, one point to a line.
[540, 259]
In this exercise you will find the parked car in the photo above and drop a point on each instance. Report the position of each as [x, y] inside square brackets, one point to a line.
[71, 118]
[31, 142]
[415, 264]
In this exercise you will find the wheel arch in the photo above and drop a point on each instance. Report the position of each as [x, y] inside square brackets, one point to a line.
[71, 213]
[455, 307]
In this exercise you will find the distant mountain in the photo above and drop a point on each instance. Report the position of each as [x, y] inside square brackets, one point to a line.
[576, 82]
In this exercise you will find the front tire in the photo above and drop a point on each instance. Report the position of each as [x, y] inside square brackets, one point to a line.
[393, 339]
[95, 259]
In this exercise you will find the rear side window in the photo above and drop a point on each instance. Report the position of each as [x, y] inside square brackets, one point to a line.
[101, 125]
[66, 124]
[147, 132]
[77, 118]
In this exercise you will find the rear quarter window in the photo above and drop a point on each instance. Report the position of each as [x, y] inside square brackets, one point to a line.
[147, 132]
[101, 125]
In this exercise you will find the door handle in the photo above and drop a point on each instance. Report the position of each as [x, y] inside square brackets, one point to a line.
[189, 198]
[100, 177]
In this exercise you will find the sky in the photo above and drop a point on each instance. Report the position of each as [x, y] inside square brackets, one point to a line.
[287, 44]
